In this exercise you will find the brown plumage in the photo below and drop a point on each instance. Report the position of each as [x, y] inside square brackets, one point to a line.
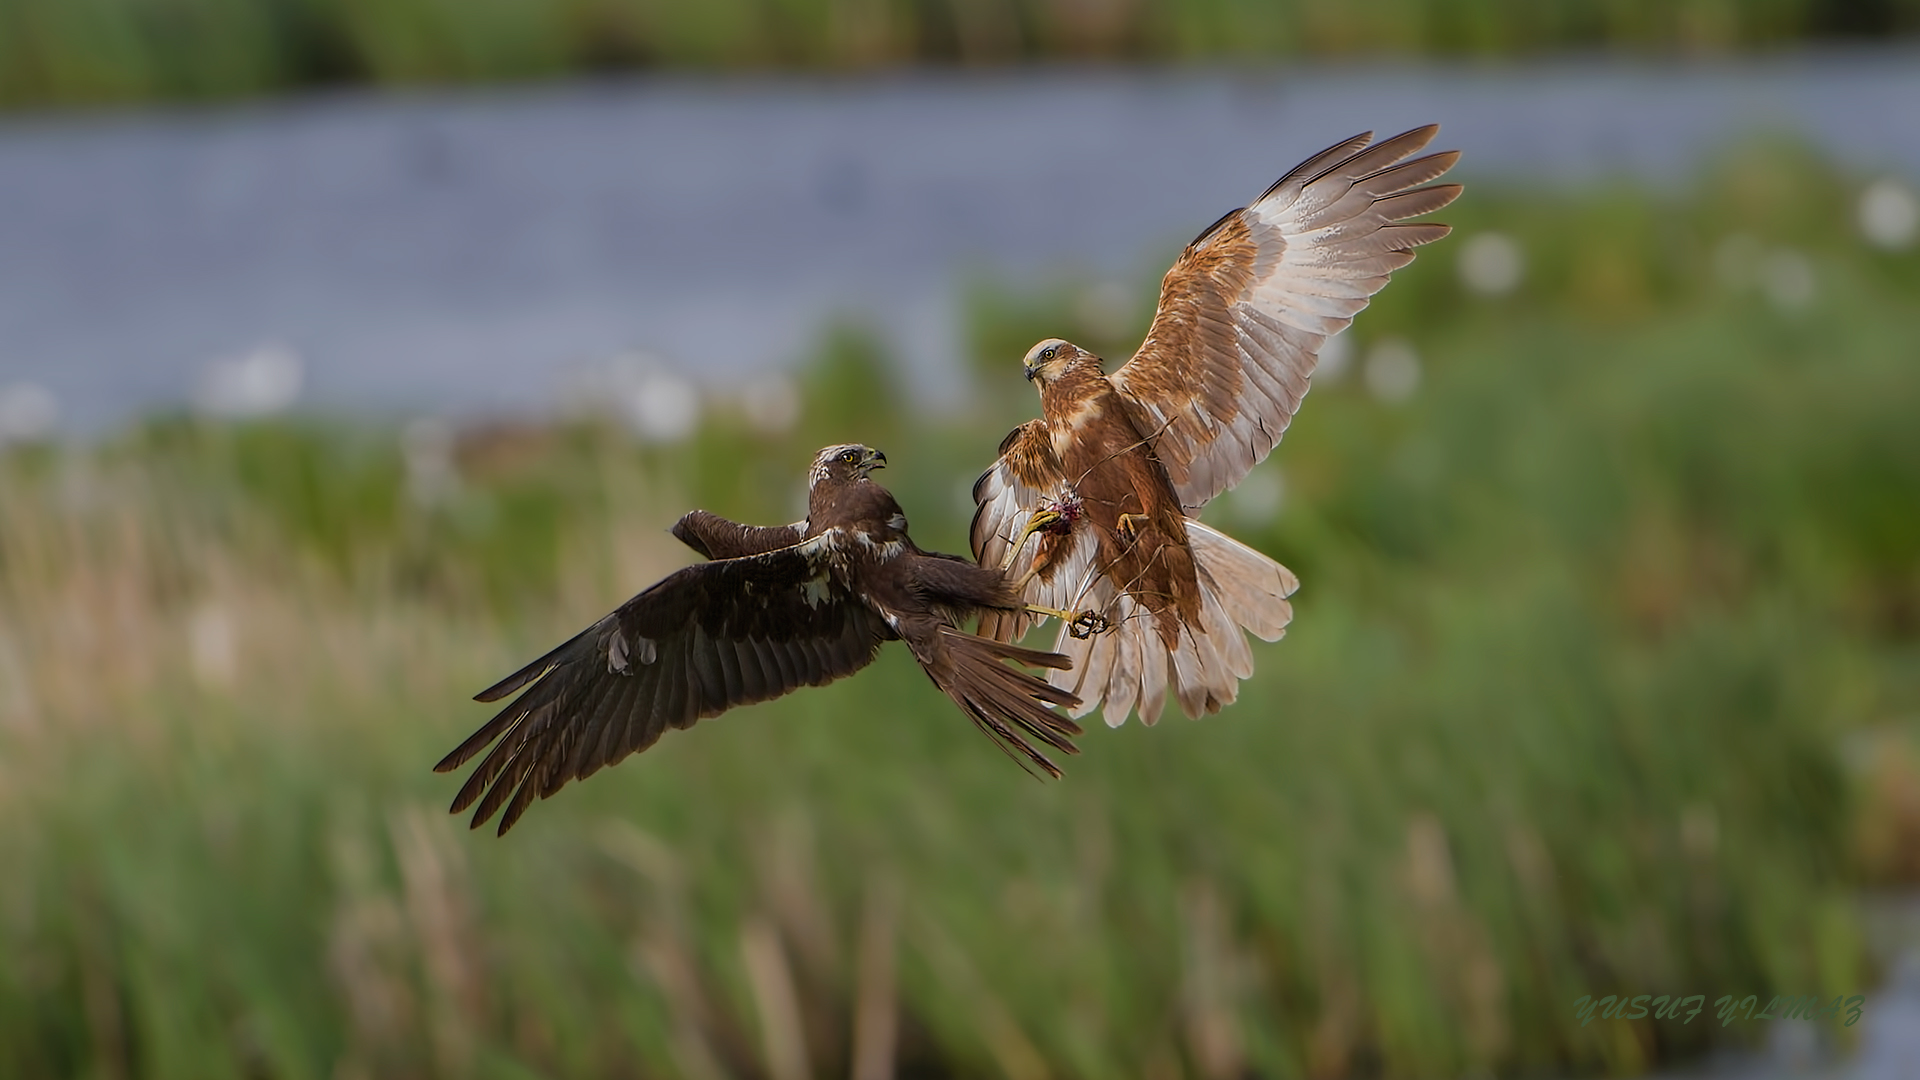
[777, 609]
[1093, 506]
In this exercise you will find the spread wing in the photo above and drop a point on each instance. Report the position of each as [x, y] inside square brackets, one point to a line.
[1246, 307]
[701, 641]
[1024, 478]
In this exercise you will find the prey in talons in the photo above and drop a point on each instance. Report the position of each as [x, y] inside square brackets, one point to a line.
[1049, 517]
[1054, 518]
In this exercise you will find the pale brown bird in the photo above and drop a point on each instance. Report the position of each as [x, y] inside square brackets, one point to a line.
[779, 608]
[1094, 505]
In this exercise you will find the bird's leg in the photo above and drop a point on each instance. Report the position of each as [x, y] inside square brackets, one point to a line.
[1084, 625]
[1129, 524]
[1042, 518]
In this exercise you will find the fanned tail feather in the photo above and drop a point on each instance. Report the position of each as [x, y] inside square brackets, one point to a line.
[1130, 665]
[1251, 588]
[1004, 702]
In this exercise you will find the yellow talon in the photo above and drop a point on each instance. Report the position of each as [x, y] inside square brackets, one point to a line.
[1041, 519]
[1130, 524]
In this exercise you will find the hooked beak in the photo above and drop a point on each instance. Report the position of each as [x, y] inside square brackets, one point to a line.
[1032, 373]
[874, 460]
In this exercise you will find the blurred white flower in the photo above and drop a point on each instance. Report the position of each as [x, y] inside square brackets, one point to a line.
[771, 403]
[655, 402]
[1889, 214]
[261, 382]
[1491, 264]
[1787, 278]
[427, 444]
[1336, 355]
[28, 413]
[1393, 370]
[664, 408]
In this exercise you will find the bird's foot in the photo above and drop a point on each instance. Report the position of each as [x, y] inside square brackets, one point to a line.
[1088, 623]
[1043, 518]
[1130, 525]
[1084, 625]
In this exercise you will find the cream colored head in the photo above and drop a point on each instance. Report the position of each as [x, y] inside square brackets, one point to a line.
[1047, 360]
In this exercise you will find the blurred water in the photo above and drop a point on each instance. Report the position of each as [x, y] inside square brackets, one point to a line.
[457, 252]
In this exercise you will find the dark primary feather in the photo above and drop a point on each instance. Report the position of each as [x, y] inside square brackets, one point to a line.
[721, 634]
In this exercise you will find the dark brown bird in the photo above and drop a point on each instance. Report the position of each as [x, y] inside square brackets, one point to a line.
[778, 608]
[1095, 505]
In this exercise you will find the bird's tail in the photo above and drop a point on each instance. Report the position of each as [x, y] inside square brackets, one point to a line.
[1002, 701]
[1130, 665]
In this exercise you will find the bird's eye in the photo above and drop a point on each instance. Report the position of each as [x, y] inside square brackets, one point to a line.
[1049, 352]
[849, 457]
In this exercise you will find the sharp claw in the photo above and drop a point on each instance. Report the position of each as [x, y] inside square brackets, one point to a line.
[1041, 519]
[1089, 623]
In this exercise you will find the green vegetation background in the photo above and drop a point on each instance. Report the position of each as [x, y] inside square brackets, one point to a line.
[1587, 628]
[67, 51]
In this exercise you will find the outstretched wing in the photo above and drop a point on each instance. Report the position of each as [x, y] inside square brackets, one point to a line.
[1246, 308]
[1057, 564]
[703, 640]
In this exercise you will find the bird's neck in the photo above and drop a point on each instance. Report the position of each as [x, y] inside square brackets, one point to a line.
[860, 505]
[1081, 389]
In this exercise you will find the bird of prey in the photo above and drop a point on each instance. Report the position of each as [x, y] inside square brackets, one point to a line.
[1094, 505]
[777, 608]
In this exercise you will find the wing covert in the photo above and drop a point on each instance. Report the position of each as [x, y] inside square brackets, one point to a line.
[1244, 311]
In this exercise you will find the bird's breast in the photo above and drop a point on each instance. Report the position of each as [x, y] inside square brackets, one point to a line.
[1075, 425]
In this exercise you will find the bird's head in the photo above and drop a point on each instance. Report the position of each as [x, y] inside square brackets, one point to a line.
[1047, 360]
[850, 461]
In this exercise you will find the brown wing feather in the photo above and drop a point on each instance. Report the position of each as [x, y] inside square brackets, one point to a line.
[1244, 311]
[704, 640]
[718, 538]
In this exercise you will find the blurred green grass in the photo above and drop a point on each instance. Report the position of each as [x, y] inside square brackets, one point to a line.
[78, 51]
[1585, 622]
